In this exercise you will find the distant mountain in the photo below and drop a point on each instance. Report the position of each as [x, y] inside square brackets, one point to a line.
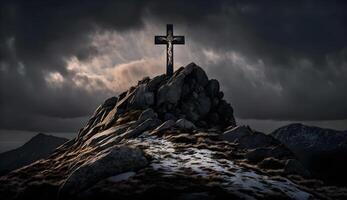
[322, 151]
[38, 147]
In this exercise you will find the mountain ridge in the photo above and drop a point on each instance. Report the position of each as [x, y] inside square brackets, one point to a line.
[321, 150]
[38, 147]
[171, 137]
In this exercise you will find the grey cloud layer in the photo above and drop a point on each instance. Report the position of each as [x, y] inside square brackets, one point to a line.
[276, 60]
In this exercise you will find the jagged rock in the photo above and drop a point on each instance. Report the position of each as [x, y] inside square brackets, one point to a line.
[213, 118]
[271, 163]
[166, 125]
[212, 88]
[138, 130]
[110, 102]
[200, 76]
[185, 124]
[293, 166]
[189, 110]
[189, 92]
[235, 134]
[257, 155]
[280, 151]
[147, 114]
[171, 91]
[247, 138]
[169, 116]
[105, 164]
[149, 98]
[142, 97]
[203, 105]
[154, 84]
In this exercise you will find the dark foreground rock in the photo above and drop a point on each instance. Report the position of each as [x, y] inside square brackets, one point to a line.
[167, 138]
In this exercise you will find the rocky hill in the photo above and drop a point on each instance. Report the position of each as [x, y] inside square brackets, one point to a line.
[322, 151]
[38, 147]
[168, 138]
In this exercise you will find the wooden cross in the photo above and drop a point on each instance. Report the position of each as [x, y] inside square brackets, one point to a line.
[169, 40]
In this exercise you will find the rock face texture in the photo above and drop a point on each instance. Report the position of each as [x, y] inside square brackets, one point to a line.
[38, 147]
[168, 138]
[322, 151]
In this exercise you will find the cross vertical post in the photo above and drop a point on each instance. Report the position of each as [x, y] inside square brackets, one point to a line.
[169, 40]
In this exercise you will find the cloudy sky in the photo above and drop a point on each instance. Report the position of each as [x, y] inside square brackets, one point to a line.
[278, 61]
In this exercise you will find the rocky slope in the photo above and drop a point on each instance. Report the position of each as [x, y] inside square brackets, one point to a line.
[168, 138]
[322, 151]
[38, 147]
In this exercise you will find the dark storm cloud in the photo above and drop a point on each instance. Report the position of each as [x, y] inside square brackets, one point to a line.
[38, 35]
[304, 50]
[302, 45]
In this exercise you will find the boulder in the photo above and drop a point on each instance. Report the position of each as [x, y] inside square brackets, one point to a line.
[105, 164]
[257, 155]
[203, 105]
[293, 166]
[171, 91]
[147, 114]
[200, 76]
[142, 98]
[271, 163]
[212, 88]
[110, 102]
[155, 83]
[149, 98]
[235, 134]
[166, 125]
[144, 126]
[170, 116]
[280, 151]
[185, 124]
[249, 139]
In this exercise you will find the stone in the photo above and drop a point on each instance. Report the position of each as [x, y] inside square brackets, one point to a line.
[280, 151]
[166, 125]
[257, 155]
[155, 83]
[147, 114]
[138, 130]
[220, 95]
[235, 134]
[188, 108]
[293, 166]
[200, 76]
[185, 124]
[149, 98]
[138, 100]
[271, 163]
[168, 116]
[185, 90]
[203, 105]
[171, 91]
[215, 102]
[249, 139]
[110, 102]
[212, 88]
[121, 177]
[105, 164]
[213, 118]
